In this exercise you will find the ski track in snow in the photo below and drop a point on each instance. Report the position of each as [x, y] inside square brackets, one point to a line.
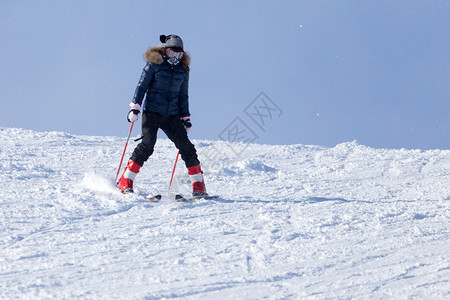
[293, 222]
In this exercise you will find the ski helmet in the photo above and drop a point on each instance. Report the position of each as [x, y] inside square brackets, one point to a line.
[171, 41]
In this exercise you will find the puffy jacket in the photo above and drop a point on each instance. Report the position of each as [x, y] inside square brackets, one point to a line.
[166, 85]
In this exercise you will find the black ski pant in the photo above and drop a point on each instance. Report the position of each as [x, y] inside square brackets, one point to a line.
[175, 131]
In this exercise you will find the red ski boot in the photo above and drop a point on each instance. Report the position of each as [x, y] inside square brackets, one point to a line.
[198, 184]
[125, 183]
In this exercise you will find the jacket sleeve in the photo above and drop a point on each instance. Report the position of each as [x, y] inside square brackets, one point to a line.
[184, 97]
[144, 84]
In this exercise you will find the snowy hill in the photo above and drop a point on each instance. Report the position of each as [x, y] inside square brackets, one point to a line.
[294, 222]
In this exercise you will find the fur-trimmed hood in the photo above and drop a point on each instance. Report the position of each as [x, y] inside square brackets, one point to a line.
[155, 54]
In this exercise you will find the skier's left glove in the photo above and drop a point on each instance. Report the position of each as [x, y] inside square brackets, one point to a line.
[187, 123]
[133, 114]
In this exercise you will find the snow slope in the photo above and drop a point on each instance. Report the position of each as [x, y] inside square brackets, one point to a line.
[294, 222]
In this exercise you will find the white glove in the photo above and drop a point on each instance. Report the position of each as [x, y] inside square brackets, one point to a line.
[133, 114]
[187, 123]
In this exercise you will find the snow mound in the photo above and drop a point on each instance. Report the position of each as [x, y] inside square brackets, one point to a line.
[254, 165]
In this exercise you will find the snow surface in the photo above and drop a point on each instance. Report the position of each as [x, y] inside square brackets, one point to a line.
[294, 222]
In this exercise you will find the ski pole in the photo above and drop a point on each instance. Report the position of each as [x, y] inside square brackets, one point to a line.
[174, 167]
[124, 149]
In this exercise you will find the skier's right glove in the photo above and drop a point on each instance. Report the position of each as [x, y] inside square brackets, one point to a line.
[133, 114]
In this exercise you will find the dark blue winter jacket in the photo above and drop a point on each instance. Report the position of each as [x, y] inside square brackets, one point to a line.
[165, 85]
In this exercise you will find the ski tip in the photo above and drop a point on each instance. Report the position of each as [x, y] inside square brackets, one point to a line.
[180, 198]
[155, 198]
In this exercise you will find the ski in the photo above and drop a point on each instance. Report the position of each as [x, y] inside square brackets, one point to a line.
[155, 198]
[181, 198]
[209, 197]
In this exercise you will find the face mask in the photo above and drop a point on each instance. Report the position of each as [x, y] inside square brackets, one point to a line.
[173, 61]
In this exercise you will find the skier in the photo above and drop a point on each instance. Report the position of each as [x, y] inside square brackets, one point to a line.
[165, 81]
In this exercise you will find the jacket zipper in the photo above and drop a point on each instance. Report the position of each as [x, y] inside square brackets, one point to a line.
[170, 92]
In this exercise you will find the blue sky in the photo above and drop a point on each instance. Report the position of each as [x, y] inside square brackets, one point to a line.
[373, 71]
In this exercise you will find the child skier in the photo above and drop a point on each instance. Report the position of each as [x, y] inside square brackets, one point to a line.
[165, 82]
